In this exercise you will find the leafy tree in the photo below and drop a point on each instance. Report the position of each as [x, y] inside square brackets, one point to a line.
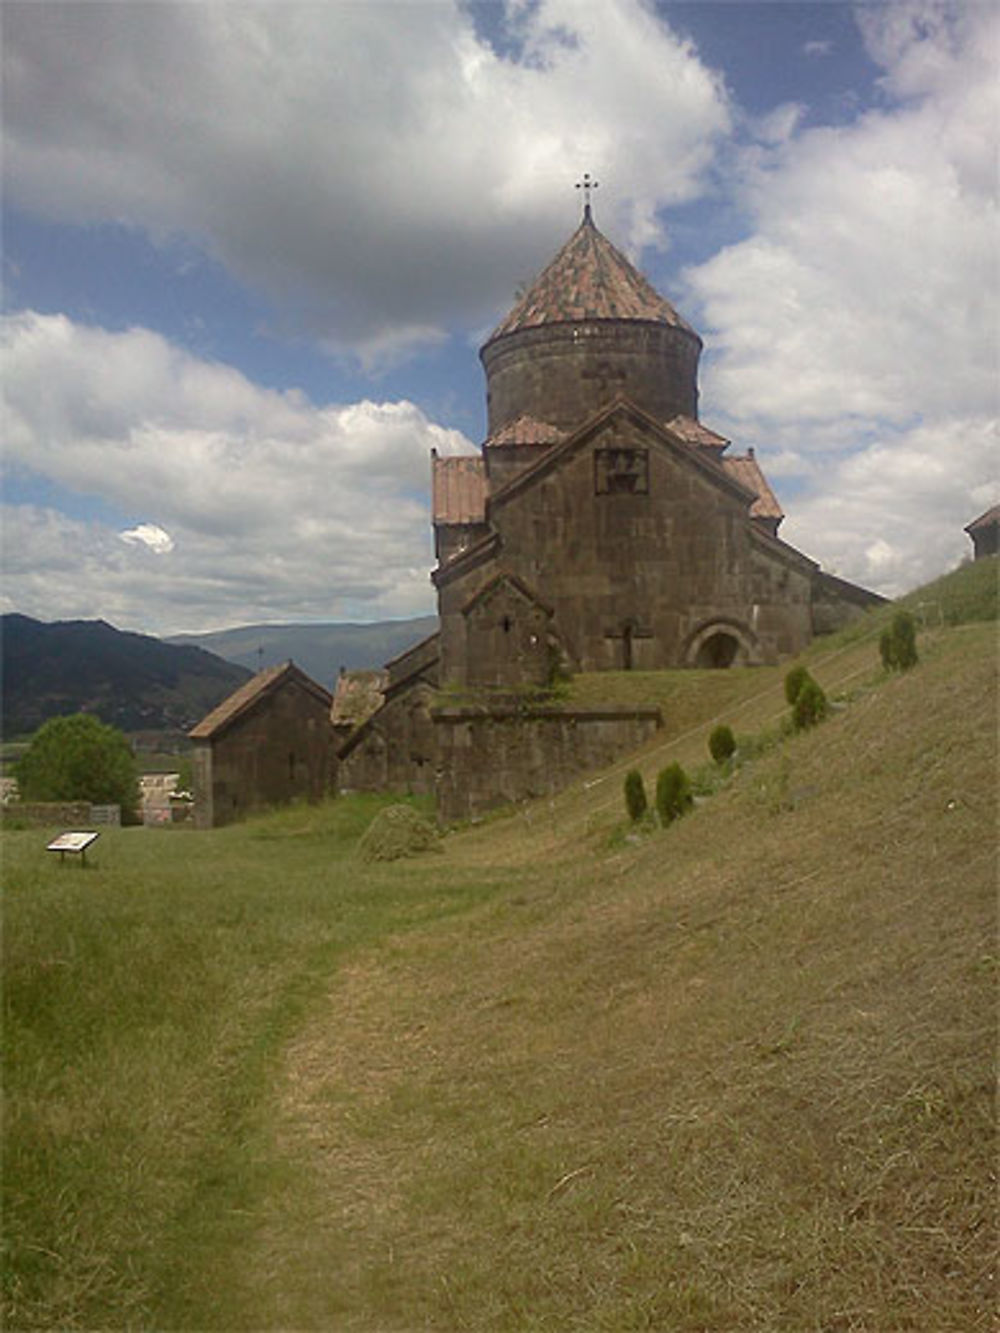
[79, 758]
[673, 793]
[635, 795]
[722, 743]
[898, 644]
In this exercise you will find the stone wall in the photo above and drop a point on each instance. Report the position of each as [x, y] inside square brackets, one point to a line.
[492, 755]
[562, 376]
[638, 547]
[396, 749]
[49, 814]
[280, 751]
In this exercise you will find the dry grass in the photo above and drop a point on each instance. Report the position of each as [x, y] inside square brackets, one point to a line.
[737, 1076]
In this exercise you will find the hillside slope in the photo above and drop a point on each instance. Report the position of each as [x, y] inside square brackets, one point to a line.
[735, 1076]
[319, 649]
[132, 681]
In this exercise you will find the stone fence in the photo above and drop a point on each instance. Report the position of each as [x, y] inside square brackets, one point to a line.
[492, 755]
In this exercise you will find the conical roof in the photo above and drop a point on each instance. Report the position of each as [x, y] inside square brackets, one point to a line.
[589, 280]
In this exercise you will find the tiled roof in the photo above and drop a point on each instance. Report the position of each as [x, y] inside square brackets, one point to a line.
[244, 698]
[693, 432]
[526, 430]
[357, 695]
[459, 489]
[589, 279]
[746, 470]
[985, 520]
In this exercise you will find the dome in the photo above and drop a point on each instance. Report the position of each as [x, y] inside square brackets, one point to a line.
[589, 329]
[589, 279]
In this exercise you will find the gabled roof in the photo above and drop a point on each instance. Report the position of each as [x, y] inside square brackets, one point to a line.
[467, 558]
[458, 486]
[512, 581]
[693, 432]
[986, 520]
[589, 280]
[702, 459]
[250, 695]
[745, 469]
[357, 695]
[526, 430]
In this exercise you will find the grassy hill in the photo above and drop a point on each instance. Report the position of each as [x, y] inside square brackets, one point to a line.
[733, 1075]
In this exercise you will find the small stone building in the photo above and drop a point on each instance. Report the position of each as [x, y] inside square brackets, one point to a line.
[984, 532]
[270, 742]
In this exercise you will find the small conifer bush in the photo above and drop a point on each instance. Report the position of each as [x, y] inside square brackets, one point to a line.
[635, 795]
[794, 681]
[722, 743]
[673, 794]
[809, 707]
[898, 644]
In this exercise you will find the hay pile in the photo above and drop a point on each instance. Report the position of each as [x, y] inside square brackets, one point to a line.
[397, 831]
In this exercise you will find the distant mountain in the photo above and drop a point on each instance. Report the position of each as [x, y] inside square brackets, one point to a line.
[133, 681]
[320, 650]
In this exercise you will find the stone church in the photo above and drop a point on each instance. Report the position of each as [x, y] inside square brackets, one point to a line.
[602, 526]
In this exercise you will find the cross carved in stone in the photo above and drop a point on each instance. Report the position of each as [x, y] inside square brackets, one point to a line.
[605, 375]
[628, 632]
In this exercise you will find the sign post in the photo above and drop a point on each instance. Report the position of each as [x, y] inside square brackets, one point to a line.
[74, 843]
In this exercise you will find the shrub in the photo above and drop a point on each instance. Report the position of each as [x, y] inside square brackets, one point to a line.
[635, 795]
[673, 794]
[79, 758]
[809, 706]
[722, 743]
[397, 831]
[794, 681]
[898, 644]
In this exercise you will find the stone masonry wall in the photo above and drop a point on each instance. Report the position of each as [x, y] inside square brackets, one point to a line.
[562, 376]
[494, 755]
[633, 576]
[279, 752]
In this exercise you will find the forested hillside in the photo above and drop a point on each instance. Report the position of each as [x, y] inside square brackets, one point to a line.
[132, 681]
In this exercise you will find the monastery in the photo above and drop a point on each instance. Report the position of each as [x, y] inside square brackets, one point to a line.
[601, 527]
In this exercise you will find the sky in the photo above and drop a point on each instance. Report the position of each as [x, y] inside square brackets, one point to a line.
[250, 252]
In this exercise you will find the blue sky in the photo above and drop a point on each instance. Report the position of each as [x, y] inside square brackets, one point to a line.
[250, 252]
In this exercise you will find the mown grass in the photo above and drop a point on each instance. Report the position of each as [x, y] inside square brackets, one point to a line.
[735, 1075]
[146, 998]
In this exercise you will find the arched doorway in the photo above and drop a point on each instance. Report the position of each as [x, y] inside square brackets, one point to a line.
[720, 644]
[719, 650]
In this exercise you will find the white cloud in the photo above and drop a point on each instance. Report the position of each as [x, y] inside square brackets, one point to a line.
[269, 507]
[891, 516]
[853, 333]
[384, 176]
[151, 536]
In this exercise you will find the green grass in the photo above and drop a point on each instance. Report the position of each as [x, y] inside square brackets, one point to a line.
[733, 1075]
[146, 998]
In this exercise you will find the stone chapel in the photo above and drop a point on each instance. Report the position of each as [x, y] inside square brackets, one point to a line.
[602, 526]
